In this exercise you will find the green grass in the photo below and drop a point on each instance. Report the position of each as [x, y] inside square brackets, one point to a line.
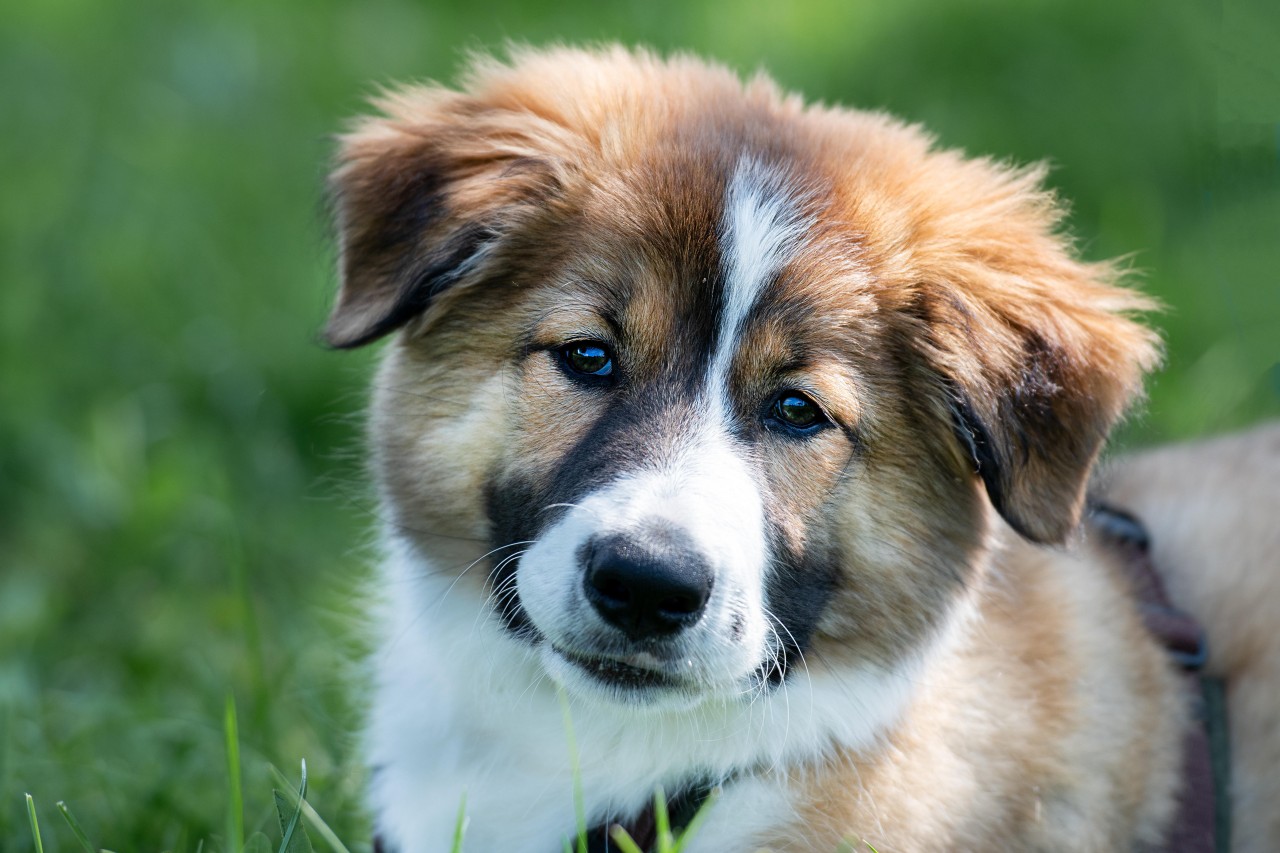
[579, 803]
[667, 840]
[35, 824]
[289, 810]
[182, 509]
[76, 829]
[235, 800]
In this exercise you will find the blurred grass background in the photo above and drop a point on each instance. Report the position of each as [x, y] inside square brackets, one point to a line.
[182, 512]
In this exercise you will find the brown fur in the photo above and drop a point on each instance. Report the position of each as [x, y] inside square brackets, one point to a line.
[932, 287]
[1025, 740]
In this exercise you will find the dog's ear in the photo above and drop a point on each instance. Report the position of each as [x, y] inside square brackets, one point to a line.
[426, 194]
[1034, 355]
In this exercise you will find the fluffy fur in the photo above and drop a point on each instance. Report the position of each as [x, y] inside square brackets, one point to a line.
[867, 637]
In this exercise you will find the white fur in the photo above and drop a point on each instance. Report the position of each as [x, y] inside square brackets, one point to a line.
[761, 231]
[461, 707]
[705, 490]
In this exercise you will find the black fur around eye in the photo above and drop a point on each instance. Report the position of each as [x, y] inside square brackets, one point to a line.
[796, 413]
[586, 359]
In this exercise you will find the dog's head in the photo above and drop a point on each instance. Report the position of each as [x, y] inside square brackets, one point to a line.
[719, 380]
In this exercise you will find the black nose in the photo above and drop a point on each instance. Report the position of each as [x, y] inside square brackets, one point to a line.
[647, 586]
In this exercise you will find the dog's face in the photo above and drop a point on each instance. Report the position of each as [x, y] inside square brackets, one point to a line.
[694, 387]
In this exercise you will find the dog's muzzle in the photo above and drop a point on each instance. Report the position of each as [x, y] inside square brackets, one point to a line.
[648, 587]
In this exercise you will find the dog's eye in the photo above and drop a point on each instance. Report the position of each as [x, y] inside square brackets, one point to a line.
[587, 359]
[794, 411]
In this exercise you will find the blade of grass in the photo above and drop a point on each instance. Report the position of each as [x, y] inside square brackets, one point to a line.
[285, 809]
[235, 813]
[460, 828]
[579, 803]
[697, 820]
[35, 824]
[662, 819]
[75, 827]
[624, 840]
[297, 812]
[313, 817]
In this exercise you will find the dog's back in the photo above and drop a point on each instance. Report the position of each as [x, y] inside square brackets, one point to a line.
[1213, 509]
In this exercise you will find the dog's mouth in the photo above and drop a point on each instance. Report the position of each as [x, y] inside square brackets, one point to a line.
[638, 672]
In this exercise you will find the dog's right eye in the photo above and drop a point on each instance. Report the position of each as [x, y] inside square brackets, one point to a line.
[590, 360]
[794, 412]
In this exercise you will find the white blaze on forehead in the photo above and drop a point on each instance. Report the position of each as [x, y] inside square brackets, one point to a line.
[760, 233]
[706, 486]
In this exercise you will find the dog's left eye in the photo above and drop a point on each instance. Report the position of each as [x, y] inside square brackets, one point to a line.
[587, 359]
[794, 411]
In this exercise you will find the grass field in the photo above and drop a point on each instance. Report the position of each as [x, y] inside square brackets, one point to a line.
[182, 513]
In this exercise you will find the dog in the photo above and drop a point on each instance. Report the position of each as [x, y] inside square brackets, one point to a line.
[738, 448]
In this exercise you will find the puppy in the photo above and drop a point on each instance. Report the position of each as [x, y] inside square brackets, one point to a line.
[726, 441]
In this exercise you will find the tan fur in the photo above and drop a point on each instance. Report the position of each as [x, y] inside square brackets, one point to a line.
[1053, 721]
[1023, 740]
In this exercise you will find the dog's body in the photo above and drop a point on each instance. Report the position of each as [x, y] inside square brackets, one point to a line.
[724, 427]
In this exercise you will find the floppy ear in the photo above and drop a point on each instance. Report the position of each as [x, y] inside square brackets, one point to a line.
[1034, 355]
[426, 195]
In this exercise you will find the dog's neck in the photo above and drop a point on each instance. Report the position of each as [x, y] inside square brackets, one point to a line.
[442, 639]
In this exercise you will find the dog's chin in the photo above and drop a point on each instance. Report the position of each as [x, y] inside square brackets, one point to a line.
[637, 681]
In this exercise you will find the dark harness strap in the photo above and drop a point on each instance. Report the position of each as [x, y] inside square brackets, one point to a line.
[1202, 820]
[643, 828]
